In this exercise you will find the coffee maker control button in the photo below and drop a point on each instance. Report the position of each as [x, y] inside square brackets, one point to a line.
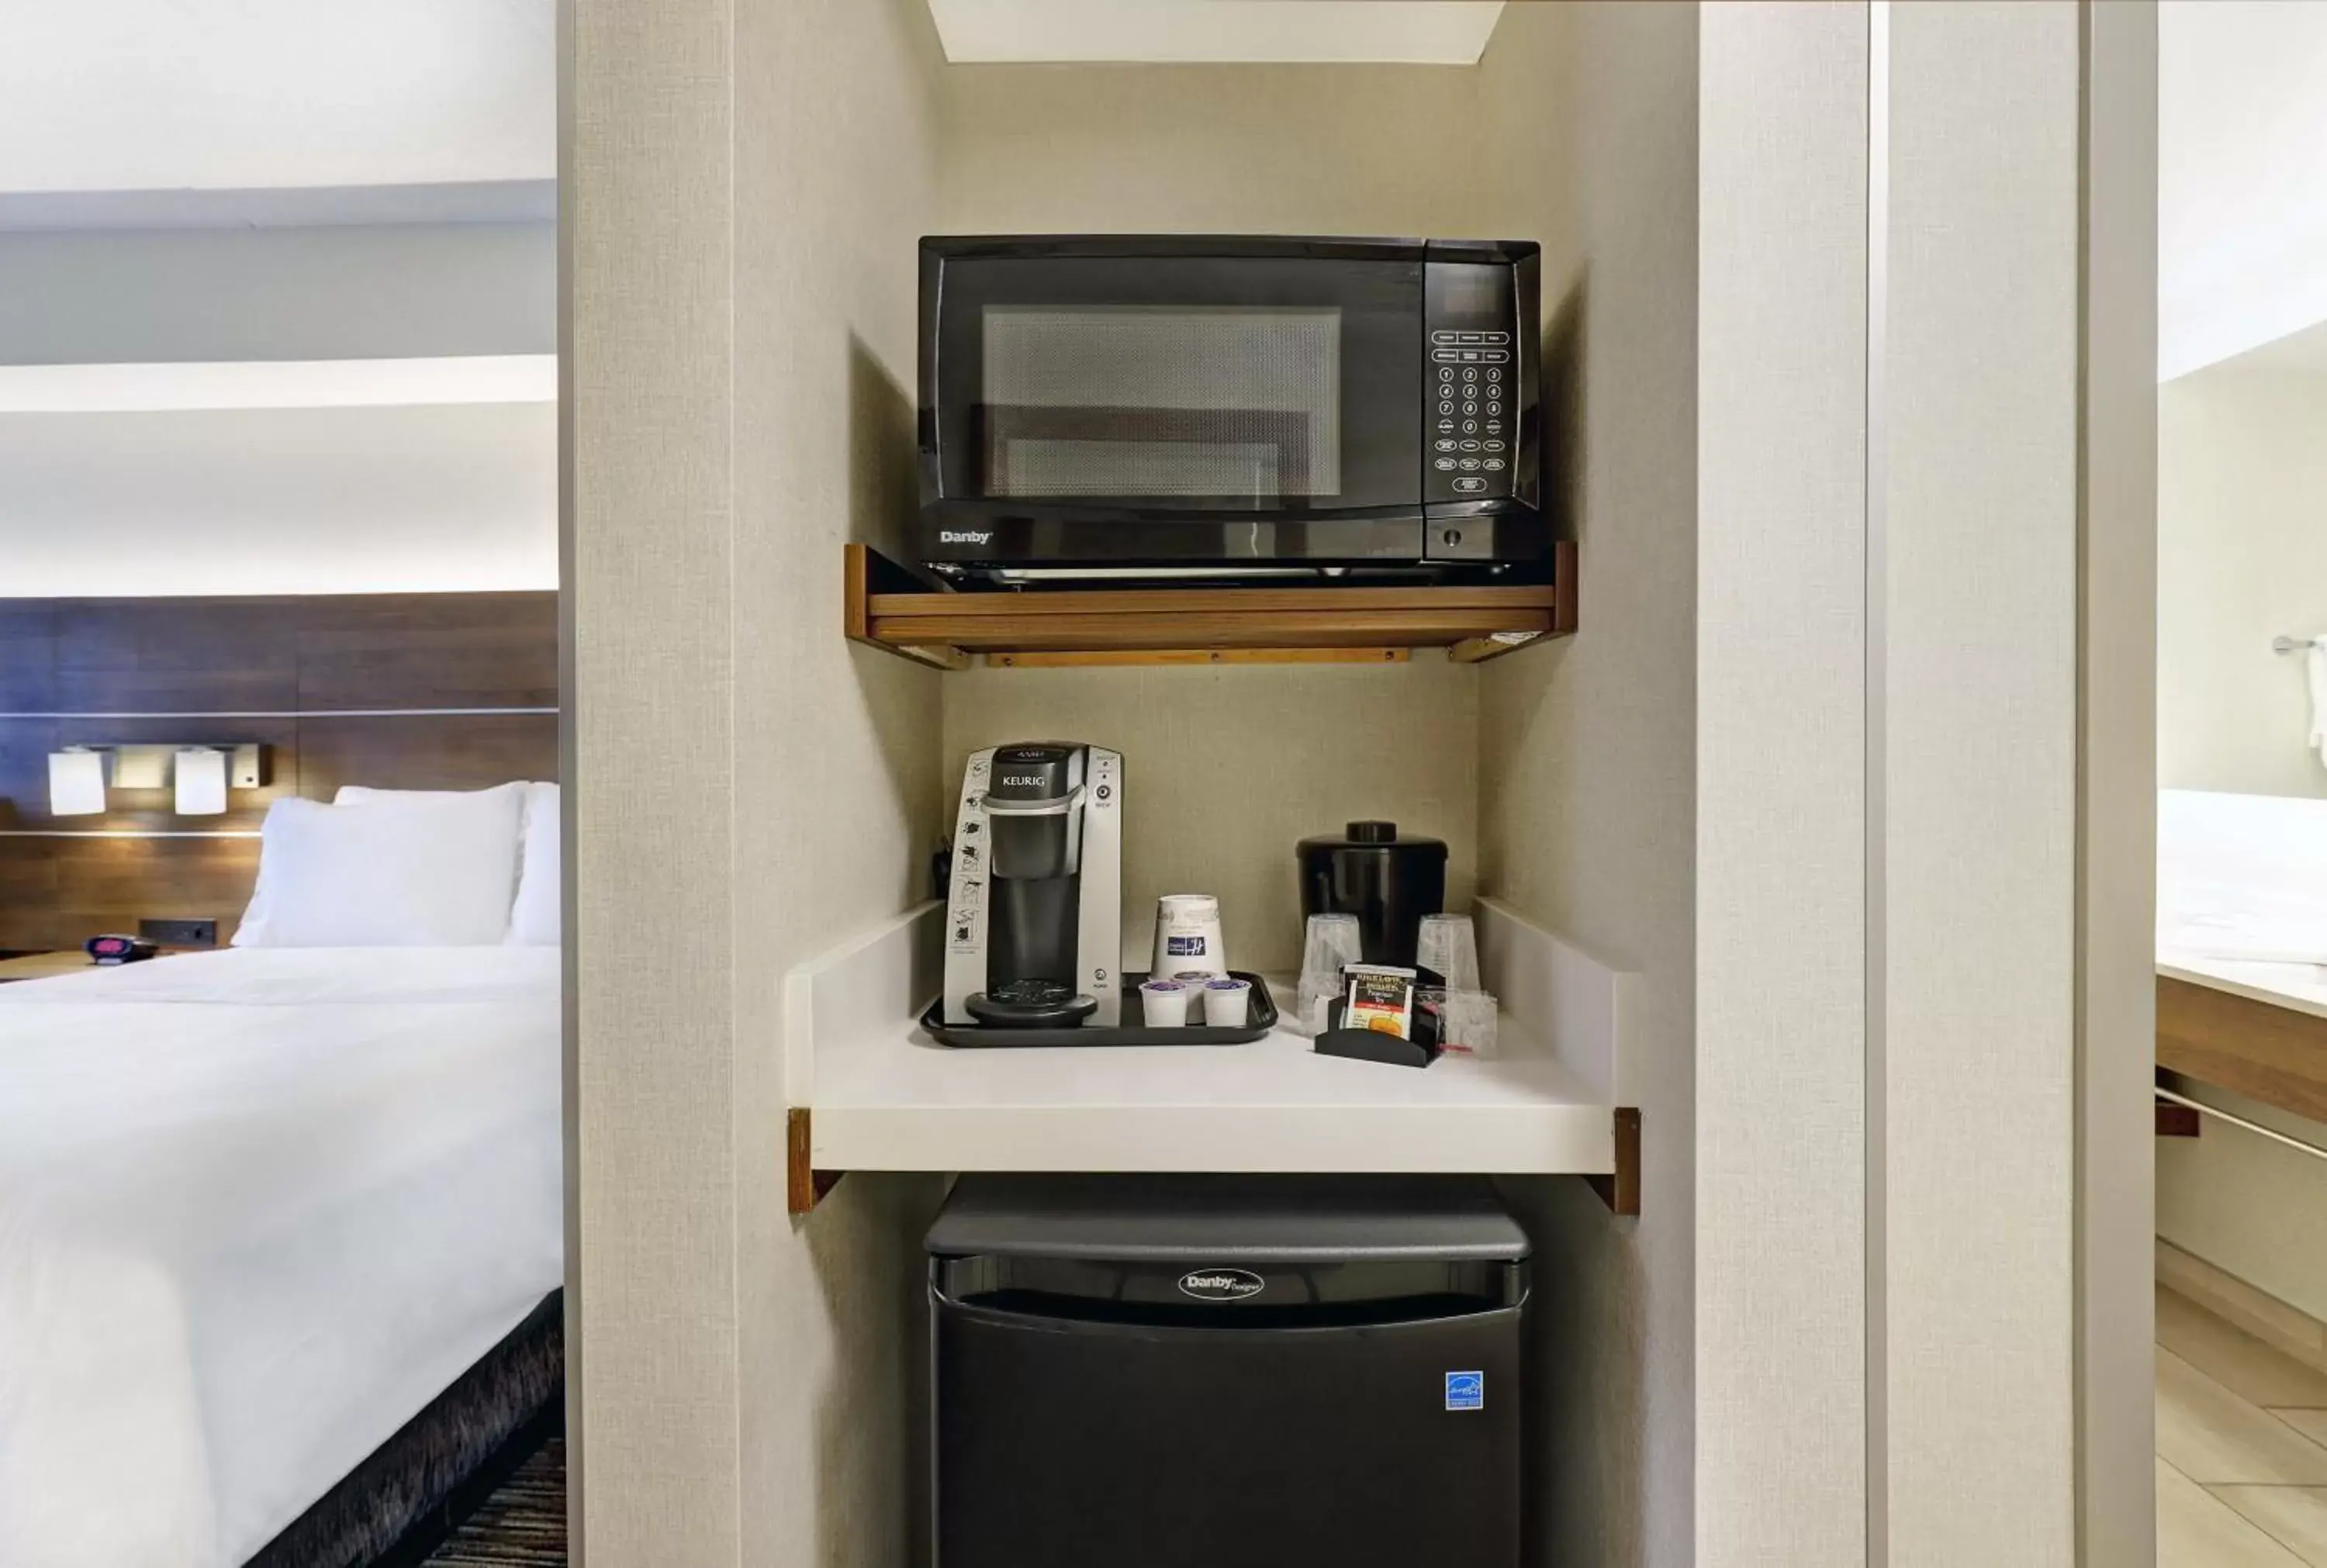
[1104, 792]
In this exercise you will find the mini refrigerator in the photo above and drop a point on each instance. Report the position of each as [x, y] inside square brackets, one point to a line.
[1173, 1371]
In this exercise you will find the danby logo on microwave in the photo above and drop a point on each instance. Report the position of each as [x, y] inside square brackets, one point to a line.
[1221, 1284]
[964, 535]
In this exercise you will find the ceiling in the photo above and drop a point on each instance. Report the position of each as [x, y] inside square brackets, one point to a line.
[1404, 32]
[110, 109]
[2242, 177]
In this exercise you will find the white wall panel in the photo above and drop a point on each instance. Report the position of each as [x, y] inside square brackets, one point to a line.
[1781, 799]
[2242, 559]
[2117, 799]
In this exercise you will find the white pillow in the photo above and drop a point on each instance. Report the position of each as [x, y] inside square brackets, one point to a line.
[537, 917]
[413, 874]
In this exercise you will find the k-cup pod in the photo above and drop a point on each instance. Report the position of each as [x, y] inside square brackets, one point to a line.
[1227, 1003]
[1188, 935]
[1164, 1004]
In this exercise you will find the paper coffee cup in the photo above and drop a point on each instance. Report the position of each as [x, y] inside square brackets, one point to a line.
[1188, 935]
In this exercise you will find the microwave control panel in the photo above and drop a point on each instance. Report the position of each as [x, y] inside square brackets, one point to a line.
[1471, 388]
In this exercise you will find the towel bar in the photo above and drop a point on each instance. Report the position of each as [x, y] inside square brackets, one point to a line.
[2291, 644]
[2274, 1135]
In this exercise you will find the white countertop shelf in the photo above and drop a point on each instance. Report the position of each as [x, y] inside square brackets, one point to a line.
[871, 1092]
[900, 1101]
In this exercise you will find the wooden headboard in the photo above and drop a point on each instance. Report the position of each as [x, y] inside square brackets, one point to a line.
[403, 691]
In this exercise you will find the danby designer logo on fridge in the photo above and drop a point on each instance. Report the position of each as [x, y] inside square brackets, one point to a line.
[1221, 1284]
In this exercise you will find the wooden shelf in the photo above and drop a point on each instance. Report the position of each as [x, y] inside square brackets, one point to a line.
[887, 608]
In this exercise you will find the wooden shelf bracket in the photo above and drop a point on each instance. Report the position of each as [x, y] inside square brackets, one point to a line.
[1620, 1190]
[804, 1185]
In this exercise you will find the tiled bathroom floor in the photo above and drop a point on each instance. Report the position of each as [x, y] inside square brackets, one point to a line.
[2241, 1447]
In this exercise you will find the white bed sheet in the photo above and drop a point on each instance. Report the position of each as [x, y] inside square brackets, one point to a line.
[257, 1208]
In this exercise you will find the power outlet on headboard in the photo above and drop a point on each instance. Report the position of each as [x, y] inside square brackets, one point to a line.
[180, 933]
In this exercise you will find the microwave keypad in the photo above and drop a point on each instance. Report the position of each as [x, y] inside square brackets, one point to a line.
[1467, 382]
[1471, 353]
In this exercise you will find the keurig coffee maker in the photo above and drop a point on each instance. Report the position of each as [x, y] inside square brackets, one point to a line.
[1034, 910]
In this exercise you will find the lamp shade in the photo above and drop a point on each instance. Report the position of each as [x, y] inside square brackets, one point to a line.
[202, 781]
[76, 783]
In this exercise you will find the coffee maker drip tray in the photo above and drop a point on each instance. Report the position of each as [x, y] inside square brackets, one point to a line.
[1029, 1013]
[1031, 1004]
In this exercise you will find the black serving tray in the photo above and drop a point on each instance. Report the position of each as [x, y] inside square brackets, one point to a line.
[1259, 1021]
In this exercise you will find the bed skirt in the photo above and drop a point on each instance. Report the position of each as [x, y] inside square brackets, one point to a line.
[396, 1506]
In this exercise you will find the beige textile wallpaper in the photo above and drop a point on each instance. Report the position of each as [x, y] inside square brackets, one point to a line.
[1978, 811]
[1586, 785]
[1781, 1259]
[744, 187]
[836, 744]
[649, 502]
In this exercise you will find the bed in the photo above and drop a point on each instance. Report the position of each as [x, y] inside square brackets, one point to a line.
[2242, 944]
[261, 1209]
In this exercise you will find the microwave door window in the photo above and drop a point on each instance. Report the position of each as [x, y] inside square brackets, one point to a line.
[1198, 404]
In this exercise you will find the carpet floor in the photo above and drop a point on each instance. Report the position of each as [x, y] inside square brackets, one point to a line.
[521, 1526]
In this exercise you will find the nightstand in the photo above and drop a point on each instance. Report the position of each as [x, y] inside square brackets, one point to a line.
[42, 965]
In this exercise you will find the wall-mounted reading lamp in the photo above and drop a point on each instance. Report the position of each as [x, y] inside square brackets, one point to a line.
[199, 774]
[76, 782]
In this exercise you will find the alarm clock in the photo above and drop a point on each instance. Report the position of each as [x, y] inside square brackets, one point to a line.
[120, 949]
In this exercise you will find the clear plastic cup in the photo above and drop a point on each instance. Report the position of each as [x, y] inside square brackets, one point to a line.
[1227, 1003]
[1315, 1004]
[1330, 941]
[1449, 944]
[1467, 1023]
[1164, 1004]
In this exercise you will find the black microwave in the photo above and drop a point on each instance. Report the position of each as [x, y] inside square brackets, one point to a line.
[1098, 407]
